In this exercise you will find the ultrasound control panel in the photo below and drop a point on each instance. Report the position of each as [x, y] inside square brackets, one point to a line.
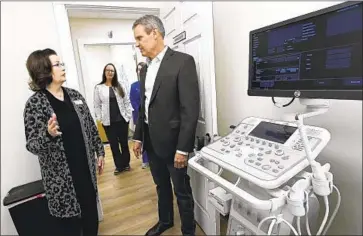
[266, 152]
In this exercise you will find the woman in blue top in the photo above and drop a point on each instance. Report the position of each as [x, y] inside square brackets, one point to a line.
[135, 102]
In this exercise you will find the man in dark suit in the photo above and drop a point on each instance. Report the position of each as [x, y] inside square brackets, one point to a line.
[167, 121]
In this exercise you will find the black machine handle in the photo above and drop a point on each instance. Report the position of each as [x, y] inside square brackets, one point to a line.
[200, 142]
[232, 126]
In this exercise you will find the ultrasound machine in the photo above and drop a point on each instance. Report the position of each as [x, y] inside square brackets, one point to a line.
[278, 180]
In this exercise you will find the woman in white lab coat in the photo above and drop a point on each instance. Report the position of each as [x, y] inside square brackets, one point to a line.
[113, 110]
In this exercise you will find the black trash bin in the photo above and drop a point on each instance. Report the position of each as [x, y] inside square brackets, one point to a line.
[28, 209]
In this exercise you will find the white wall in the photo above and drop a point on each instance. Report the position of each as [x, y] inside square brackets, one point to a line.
[95, 60]
[25, 27]
[344, 120]
[123, 58]
[97, 29]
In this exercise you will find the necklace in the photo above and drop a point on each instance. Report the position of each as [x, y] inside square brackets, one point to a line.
[59, 95]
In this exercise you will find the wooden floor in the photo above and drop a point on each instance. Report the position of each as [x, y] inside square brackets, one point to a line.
[129, 201]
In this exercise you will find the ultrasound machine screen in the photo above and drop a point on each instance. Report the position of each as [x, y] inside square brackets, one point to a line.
[273, 132]
[320, 54]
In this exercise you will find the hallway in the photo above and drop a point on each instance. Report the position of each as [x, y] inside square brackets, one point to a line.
[129, 201]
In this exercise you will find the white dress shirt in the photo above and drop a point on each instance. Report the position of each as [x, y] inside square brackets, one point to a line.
[152, 71]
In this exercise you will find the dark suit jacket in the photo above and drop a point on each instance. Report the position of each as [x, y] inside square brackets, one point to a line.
[174, 105]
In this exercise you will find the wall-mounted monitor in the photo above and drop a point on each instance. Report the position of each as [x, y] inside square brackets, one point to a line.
[317, 55]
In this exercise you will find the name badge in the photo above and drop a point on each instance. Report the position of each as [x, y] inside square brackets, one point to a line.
[78, 102]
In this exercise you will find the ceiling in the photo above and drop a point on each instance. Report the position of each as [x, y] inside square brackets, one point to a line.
[108, 12]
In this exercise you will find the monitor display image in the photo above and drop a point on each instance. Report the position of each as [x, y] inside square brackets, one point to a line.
[318, 54]
[273, 132]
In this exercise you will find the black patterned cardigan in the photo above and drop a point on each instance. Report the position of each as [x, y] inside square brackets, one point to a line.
[56, 176]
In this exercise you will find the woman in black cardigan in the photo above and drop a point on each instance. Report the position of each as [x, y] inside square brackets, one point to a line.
[60, 130]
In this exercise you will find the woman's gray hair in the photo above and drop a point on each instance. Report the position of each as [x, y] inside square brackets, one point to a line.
[150, 22]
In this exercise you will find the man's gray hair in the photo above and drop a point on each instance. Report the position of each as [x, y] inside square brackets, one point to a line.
[150, 22]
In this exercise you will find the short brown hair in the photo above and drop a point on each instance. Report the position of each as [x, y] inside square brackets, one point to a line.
[150, 22]
[39, 68]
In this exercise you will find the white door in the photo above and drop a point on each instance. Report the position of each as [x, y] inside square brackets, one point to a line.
[194, 21]
[93, 60]
[189, 29]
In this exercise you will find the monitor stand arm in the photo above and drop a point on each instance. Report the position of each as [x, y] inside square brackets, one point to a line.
[322, 179]
[314, 107]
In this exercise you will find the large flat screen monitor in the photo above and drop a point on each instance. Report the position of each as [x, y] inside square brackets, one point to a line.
[317, 55]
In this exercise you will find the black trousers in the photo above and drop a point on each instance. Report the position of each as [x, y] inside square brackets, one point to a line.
[85, 225]
[162, 170]
[117, 133]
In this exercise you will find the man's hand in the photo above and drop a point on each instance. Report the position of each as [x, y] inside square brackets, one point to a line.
[100, 164]
[180, 160]
[137, 149]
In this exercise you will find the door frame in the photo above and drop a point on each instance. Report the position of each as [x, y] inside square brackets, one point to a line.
[82, 43]
[209, 33]
[93, 42]
[61, 18]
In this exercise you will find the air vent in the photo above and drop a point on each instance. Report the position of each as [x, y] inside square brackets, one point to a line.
[112, 9]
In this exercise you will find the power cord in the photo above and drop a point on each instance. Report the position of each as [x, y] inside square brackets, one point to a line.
[335, 210]
[263, 221]
[276, 220]
[271, 227]
[326, 213]
[307, 214]
[280, 105]
[299, 225]
[326, 202]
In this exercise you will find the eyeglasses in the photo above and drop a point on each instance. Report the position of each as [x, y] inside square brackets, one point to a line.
[59, 64]
[110, 71]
